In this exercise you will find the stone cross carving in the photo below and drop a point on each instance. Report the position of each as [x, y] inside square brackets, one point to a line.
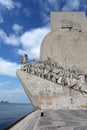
[70, 25]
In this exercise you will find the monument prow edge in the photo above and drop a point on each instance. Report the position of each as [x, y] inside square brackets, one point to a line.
[50, 86]
[59, 79]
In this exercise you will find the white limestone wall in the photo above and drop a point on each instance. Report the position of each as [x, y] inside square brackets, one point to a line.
[77, 17]
[67, 48]
[45, 94]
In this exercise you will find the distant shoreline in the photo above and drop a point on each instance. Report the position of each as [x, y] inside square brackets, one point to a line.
[4, 102]
[14, 103]
[12, 112]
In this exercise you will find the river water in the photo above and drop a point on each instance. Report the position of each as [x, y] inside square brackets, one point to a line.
[11, 112]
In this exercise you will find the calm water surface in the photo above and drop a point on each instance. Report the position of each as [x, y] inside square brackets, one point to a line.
[10, 113]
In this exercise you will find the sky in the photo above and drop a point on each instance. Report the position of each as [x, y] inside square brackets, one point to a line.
[23, 25]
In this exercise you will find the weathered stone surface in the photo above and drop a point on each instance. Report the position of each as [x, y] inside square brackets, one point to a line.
[67, 42]
[71, 78]
[47, 94]
[59, 79]
[54, 120]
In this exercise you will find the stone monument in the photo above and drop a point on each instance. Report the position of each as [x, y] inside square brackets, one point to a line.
[59, 79]
[67, 41]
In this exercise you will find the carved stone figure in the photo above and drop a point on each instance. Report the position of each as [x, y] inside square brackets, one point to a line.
[50, 70]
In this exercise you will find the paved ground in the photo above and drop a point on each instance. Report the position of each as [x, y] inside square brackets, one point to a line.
[54, 120]
[63, 120]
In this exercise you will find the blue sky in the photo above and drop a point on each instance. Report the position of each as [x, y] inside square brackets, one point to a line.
[23, 25]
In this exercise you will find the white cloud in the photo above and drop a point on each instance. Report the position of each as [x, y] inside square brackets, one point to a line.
[31, 41]
[2, 84]
[16, 95]
[17, 28]
[7, 3]
[46, 6]
[54, 4]
[10, 4]
[71, 5]
[17, 4]
[27, 11]
[1, 19]
[12, 39]
[8, 68]
[2, 34]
